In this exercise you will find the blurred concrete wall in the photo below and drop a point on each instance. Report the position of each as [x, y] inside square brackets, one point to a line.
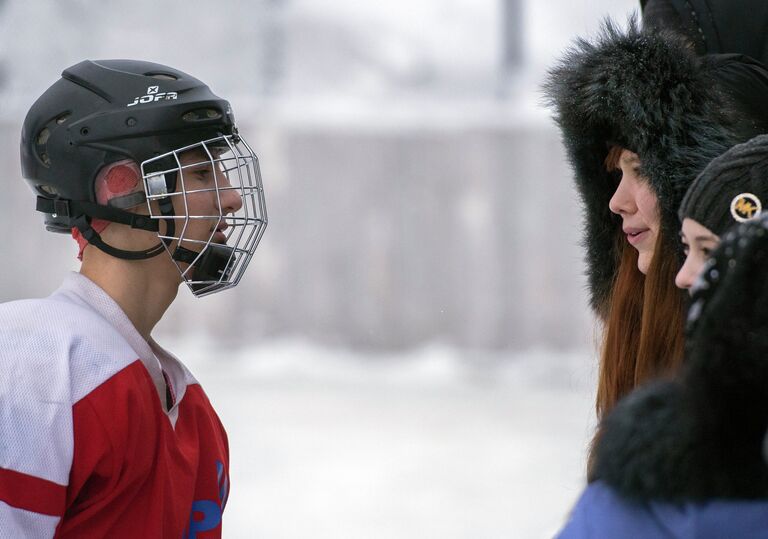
[377, 238]
[384, 239]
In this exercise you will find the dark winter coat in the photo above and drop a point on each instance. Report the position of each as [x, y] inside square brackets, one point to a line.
[647, 91]
[720, 27]
[714, 26]
[701, 436]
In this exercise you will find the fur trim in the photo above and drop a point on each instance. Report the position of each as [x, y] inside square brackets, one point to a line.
[647, 91]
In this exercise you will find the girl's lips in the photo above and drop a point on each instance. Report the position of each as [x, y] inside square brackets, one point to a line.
[635, 237]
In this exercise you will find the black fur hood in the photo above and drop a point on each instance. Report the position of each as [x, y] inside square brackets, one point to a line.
[645, 90]
[701, 436]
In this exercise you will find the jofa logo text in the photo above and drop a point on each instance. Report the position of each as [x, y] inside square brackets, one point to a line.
[154, 94]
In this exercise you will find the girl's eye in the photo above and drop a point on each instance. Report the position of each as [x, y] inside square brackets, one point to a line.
[706, 252]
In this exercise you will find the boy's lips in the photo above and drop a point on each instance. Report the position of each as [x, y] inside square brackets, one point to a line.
[218, 233]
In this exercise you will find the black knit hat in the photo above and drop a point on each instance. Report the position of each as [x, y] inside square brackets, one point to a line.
[733, 188]
[649, 92]
[702, 435]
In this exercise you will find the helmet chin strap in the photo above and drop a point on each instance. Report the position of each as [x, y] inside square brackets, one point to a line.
[94, 238]
[81, 213]
[213, 263]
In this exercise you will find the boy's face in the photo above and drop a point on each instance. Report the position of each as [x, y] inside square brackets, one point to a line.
[217, 210]
[207, 198]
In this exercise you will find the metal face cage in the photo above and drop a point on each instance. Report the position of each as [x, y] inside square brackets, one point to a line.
[210, 198]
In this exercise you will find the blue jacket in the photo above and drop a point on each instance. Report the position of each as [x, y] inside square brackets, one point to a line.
[601, 514]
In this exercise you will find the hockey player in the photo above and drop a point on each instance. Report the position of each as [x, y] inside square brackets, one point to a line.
[103, 433]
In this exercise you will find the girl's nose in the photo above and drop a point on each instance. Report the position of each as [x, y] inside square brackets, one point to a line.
[622, 202]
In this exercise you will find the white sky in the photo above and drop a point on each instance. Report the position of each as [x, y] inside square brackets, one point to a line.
[333, 48]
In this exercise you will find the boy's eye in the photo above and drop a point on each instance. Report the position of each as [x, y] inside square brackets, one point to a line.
[707, 252]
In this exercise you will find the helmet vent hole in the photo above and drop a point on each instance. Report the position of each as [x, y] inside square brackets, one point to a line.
[201, 114]
[45, 159]
[161, 76]
[43, 136]
[63, 118]
[84, 131]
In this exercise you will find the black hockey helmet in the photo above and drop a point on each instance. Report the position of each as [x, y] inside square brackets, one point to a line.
[108, 111]
[104, 111]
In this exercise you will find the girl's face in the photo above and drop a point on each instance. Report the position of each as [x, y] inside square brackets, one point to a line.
[636, 203]
[699, 243]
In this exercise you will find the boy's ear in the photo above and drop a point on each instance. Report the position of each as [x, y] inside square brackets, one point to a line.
[116, 186]
[121, 178]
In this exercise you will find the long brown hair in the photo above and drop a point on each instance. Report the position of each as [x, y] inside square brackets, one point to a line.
[643, 333]
[643, 329]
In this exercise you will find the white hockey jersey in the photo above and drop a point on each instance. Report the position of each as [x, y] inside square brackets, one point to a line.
[102, 434]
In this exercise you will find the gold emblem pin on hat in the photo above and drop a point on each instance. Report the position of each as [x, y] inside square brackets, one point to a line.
[745, 206]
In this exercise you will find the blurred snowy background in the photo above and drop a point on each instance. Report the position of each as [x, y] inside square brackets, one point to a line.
[410, 353]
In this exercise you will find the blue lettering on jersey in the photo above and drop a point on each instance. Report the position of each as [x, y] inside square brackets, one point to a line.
[209, 509]
[223, 484]
[211, 517]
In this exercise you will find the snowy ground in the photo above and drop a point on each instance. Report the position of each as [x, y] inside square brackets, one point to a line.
[429, 444]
